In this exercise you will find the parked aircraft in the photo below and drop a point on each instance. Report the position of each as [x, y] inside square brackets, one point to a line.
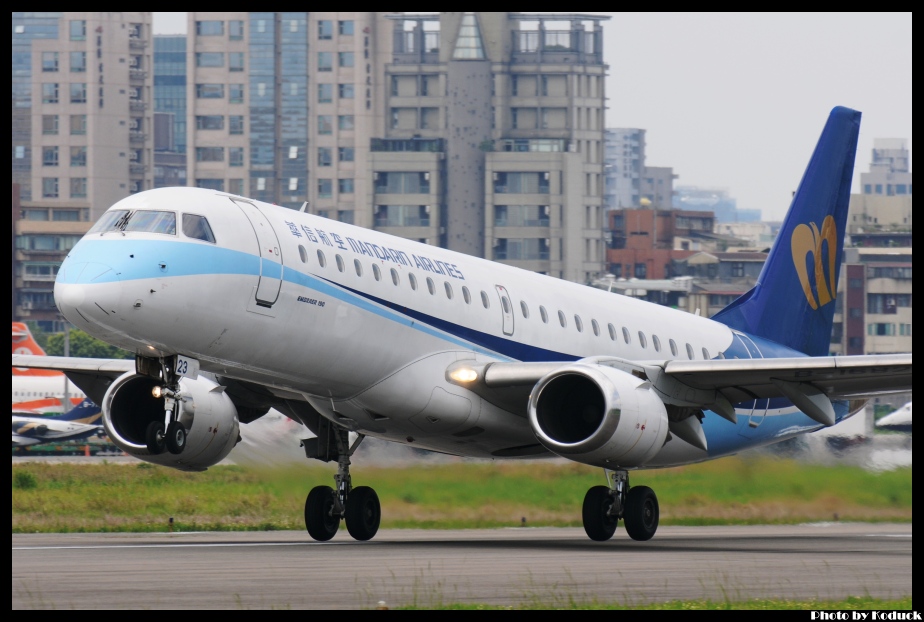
[47, 387]
[897, 420]
[349, 330]
[81, 422]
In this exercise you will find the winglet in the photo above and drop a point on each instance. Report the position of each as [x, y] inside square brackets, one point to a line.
[793, 300]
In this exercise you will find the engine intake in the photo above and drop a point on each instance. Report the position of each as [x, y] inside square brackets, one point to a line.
[598, 415]
[208, 413]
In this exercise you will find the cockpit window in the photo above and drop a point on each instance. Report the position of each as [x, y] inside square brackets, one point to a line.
[109, 222]
[197, 227]
[150, 221]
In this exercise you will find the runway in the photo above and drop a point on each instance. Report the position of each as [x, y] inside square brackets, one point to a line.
[263, 570]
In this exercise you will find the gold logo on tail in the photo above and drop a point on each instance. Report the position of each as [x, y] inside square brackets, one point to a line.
[807, 239]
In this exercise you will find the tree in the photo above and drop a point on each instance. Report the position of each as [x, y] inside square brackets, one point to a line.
[84, 346]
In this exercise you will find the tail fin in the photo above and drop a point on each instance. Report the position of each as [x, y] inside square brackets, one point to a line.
[793, 300]
[84, 412]
[24, 343]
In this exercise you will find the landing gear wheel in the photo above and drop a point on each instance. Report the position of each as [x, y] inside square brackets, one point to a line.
[642, 513]
[154, 437]
[363, 513]
[175, 437]
[599, 523]
[320, 521]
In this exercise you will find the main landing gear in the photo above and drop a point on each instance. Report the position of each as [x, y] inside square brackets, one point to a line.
[605, 505]
[326, 506]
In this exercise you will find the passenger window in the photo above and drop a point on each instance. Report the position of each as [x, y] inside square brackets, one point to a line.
[505, 304]
[561, 319]
[466, 295]
[413, 281]
[197, 227]
[358, 266]
[448, 289]
[642, 340]
[302, 254]
[656, 343]
[690, 351]
[578, 324]
[706, 356]
[625, 335]
[394, 276]
[596, 327]
[612, 330]
[524, 310]
[376, 272]
[484, 300]
[673, 347]
[322, 260]
[339, 263]
[430, 286]
[543, 314]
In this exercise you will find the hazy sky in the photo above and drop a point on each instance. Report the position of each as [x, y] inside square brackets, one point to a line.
[737, 100]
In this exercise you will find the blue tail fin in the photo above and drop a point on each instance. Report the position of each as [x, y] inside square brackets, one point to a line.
[84, 412]
[793, 300]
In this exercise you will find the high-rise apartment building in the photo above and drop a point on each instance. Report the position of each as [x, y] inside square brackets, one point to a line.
[480, 132]
[625, 162]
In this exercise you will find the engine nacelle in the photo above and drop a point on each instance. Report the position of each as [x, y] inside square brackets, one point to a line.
[598, 415]
[206, 411]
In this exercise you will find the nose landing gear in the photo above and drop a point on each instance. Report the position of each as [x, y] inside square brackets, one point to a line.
[169, 434]
[605, 505]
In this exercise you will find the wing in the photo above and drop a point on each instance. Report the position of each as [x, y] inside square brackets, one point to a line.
[809, 382]
[93, 376]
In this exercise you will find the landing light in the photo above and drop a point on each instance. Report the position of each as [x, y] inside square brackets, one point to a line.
[157, 392]
[464, 374]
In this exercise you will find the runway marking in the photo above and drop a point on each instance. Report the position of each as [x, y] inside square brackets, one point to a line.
[165, 545]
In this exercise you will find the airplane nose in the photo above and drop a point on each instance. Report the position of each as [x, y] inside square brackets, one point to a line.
[88, 293]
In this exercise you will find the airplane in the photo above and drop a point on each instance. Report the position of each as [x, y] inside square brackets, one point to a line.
[235, 306]
[49, 387]
[82, 421]
[898, 420]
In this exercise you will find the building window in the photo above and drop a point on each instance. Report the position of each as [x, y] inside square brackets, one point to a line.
[78, 30]
[521, 248]
[325, 93]
[210, 122]
[50, 187]
[210, 91]
[49, 156]
[235, 156]
[50, 93]
[345, 91]
[325, 29]
[737, 268]
[210, 28]
[49, 61]
[345, 59]
[79, 93]
[346, 154]
[345, 27]
[641, 271]
[49, 124]
[236, 124]
[325, 156]
[211, 184]
[235, 30]
[235, 61]
[78, 62]
[325, 61]
[293, 184]
[325, 188]
[78, 156]
[402, 216]
[345, 185]
[521, 183]
[402, 183]
[325, 124]
[210, 154]
[78, 124]
[78, 187]
[345, 122]
[236, 93]
[210, 59]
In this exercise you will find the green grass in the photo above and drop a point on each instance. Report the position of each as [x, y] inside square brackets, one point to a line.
[112, 497]
[851, 603]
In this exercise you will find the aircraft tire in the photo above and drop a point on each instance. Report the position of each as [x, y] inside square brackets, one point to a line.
[154, 437]
[363, 513]
[598, 525]
[175, 437]
[321, 524]
[642, 513]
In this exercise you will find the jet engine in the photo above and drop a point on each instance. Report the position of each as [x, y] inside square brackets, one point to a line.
[207, 413]
[598, 415]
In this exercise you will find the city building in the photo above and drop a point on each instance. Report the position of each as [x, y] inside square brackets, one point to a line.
[624, 158]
